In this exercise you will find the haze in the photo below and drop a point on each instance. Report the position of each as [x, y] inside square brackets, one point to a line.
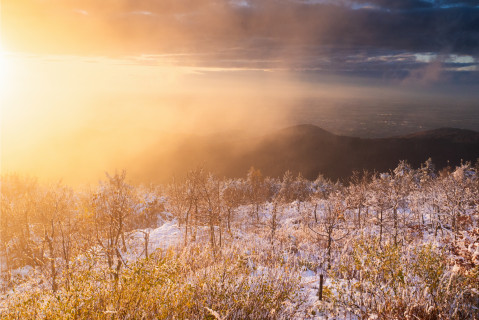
[87, 86]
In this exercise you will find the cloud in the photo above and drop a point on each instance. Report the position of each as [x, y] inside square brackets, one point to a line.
[377, 38]
[186, 24]
[398, 4]
[456, 3]
[429, 74]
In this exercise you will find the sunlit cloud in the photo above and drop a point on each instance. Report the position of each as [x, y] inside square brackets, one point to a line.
[241, 3]
[142, 13]
[425, 57]
[461, 59]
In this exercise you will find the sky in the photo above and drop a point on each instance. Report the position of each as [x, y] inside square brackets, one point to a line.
[86, 83]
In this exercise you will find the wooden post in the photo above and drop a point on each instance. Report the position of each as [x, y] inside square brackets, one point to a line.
[320, 293]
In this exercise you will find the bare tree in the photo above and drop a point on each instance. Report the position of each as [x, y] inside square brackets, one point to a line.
[400, 185]
[112, 204]
[19, 198]
[458, 194]
[381, 201]
[356, 194]
[210, 188]
[57, 227]
[257, 191]
[331, 226]
[427, 195]
[182, 202]
[273, 222]
[232, 196]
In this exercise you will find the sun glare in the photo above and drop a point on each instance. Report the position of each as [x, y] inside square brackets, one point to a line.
[3, 70]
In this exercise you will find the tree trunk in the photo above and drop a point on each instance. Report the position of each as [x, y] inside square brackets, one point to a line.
[273, 224]
[330, 240]
[118, 267]
[359, 216]
[221, 233]
[53, 269]
[186, 226]
[257, 213]
[229, 220]
[212, 232]
[147, 239]
[395, 217]
[381, 228]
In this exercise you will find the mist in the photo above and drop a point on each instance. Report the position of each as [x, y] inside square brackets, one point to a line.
[75, 118]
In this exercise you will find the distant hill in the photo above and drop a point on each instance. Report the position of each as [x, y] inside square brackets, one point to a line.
[307, 149]
[447, 134]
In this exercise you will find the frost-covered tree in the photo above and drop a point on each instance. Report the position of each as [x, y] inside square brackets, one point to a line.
[258, 192]
[400, 186]
[56, 225]
[379, 200]
[356, 194]
[113, 204]
[211, 206]
[232, 196]
[331, 226]
[457, 198]
[19, 201]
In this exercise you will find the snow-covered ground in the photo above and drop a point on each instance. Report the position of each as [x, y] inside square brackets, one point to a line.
[403, 250]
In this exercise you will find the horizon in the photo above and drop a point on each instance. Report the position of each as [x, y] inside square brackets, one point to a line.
[163, 166]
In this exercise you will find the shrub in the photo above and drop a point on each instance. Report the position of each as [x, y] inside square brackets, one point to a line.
[191, 284]
[395, 282]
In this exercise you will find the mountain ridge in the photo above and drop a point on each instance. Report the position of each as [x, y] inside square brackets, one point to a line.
[311, 150]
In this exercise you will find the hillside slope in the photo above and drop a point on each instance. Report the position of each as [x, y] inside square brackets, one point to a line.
[307, 149]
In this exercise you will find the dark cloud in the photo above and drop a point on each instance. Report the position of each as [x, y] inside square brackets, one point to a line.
[149, 25]
[347, 36]
[398, 4]
[414, 4]
[463, 3]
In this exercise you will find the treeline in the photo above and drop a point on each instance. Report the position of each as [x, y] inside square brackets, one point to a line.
[48, 227]
[42, 223]
[420, 199]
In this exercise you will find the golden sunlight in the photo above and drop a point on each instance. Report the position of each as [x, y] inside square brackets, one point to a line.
[95, 114]
[3, 70]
